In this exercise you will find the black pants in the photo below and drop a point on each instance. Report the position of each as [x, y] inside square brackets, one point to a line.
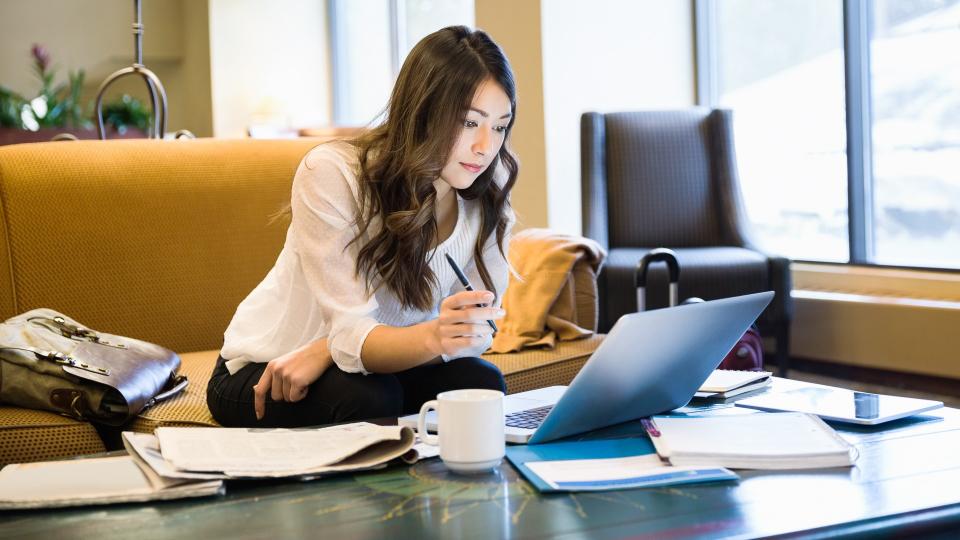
[344, 397]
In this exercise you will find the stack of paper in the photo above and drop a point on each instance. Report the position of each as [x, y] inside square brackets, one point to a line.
[724, 383]
[750, 441]
[193, 462]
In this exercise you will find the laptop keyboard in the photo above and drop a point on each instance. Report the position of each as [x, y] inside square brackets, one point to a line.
[529, 419]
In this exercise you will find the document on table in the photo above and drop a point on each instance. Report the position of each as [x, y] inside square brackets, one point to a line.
[616, 473]
[252, 453]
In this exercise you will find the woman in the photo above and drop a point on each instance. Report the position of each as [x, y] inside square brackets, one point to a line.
[361, 317]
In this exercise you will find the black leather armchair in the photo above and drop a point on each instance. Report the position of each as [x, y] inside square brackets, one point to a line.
[669, 179]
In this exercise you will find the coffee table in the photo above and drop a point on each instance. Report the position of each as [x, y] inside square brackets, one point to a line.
[906, 482]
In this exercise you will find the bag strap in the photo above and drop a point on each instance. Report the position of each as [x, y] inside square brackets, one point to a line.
[179, 382]
[60, 358]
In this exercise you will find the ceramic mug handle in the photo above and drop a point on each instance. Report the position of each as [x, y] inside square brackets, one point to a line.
[422, 424]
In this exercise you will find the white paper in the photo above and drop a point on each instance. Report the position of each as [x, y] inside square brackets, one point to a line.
[425, 451]
[146, 447]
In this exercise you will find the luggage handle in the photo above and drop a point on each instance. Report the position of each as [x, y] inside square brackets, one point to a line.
[640, 277]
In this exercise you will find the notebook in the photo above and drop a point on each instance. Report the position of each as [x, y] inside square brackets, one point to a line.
[724, 383]
[750, 441]
[106, 480]
[602, 465]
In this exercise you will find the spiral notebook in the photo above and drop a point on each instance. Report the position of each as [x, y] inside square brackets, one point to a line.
[750, 441]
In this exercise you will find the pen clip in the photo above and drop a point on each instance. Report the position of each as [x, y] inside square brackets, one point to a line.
[650, 427]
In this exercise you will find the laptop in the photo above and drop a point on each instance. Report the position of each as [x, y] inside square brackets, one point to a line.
[650, 362]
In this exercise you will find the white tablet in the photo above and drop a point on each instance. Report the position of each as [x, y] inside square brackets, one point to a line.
[840, 405]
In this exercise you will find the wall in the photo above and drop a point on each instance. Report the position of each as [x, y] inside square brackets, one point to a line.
[887, 318]
[196, 68]
[570, 57]
[606, 55]
[95, 35]
[516, 27]
[269, 64]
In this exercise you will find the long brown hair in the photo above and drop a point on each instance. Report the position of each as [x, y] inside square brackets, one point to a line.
[399, 160]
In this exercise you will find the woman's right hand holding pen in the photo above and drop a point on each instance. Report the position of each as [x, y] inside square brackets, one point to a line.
[462, 329]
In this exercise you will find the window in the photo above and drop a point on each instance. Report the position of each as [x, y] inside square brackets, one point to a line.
[847, 121]
[915, 86]
[369, 41]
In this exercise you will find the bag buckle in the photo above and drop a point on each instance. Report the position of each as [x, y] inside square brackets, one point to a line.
[79, 333]
[67, 360]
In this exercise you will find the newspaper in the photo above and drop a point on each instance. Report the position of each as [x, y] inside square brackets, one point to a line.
[145, 450]
[206, 453]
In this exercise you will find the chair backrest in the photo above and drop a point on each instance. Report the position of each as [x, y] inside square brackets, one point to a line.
[660, 178]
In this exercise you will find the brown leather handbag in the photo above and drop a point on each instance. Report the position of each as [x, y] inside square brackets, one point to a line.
[49, 361]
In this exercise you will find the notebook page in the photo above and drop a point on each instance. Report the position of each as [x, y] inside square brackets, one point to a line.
[750, 435]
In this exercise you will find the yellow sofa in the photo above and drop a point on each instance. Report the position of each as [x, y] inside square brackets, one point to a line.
[160, 240]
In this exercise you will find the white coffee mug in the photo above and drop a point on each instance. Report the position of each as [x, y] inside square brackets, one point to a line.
[470, 428]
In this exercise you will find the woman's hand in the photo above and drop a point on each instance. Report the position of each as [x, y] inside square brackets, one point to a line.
[288, 377]
[462, 329]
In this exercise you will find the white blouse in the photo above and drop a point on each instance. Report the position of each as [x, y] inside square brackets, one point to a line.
[313, 292]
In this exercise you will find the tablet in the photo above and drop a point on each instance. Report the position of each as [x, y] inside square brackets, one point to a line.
[840, 405]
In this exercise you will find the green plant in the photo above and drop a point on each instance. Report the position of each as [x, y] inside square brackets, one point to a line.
[54, 106]
[59, 106]
[125, 113]
[11, 104]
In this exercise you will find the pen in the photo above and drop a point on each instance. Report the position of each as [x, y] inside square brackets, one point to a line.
[650, 427]
[466, 284]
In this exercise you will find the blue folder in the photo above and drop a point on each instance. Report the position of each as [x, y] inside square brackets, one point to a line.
[520, 455]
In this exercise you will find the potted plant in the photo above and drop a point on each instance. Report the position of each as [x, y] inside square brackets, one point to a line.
[57, 109]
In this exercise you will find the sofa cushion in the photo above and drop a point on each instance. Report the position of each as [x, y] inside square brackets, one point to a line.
[537, 368]
[190, 407]
[27, 435]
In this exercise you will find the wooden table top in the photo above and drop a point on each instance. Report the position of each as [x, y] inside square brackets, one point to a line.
[907, 480]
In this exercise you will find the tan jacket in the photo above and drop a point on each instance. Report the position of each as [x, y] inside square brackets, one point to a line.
[558, 273]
